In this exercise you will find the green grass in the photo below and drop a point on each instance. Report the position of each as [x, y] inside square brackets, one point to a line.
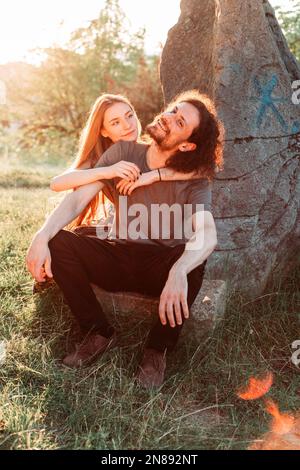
[23, 179]
[18, 173]
[44, 406]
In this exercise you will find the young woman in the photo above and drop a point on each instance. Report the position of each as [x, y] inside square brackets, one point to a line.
[111, 119]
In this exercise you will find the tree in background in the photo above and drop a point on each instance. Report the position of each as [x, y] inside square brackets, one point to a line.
[53, 101]
[290, 22]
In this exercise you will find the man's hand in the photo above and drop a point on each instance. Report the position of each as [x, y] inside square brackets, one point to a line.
[173, 299]
[38, 258]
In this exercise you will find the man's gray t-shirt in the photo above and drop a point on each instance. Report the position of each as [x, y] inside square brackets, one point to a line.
[157, 213]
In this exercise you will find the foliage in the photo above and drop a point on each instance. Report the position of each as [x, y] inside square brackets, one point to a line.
[53, 99]
[290, 23]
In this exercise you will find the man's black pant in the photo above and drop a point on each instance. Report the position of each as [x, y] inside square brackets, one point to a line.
[78, 260]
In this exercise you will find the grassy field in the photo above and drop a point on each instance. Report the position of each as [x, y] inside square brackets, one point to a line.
[44, 406]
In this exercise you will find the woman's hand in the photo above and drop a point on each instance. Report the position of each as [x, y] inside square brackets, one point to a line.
[124, 187]
[127, 170]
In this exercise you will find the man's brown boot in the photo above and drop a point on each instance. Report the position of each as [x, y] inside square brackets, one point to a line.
[89, 350]
[152, 368]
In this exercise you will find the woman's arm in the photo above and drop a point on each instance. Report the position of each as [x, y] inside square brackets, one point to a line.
[74, 178]
[161, 174]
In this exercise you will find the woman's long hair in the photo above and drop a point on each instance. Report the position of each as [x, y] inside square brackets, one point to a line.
[92, 145]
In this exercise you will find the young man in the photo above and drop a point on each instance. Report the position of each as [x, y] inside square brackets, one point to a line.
[154, 253]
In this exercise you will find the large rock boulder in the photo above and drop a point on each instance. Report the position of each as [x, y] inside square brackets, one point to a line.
[236, 53]
[207, 309]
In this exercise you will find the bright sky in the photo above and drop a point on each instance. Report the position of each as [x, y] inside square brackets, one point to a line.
[25, 24]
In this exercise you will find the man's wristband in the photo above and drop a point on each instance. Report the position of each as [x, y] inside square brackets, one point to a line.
[159, 174]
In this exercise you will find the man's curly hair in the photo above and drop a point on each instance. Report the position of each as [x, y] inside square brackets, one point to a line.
[207, 158]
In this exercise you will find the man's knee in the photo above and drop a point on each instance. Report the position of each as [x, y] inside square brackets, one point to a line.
[195, 280]
[59, 241]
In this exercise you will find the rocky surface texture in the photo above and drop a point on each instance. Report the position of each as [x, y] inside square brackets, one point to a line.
[236, 53]
[207, 309]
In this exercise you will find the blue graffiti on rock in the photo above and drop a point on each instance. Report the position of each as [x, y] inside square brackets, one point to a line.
[267, 101]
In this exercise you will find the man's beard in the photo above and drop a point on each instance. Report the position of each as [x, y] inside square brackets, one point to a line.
[160, 137]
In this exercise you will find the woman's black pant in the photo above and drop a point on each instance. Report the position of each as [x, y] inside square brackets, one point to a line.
[80, 259]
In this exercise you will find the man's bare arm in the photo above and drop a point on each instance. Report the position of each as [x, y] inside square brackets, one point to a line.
[38, 258]
[197, 250]
[200, 245]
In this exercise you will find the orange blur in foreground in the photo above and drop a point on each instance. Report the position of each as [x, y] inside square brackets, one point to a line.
[285, 428]
[284, 434]
[256, 388]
